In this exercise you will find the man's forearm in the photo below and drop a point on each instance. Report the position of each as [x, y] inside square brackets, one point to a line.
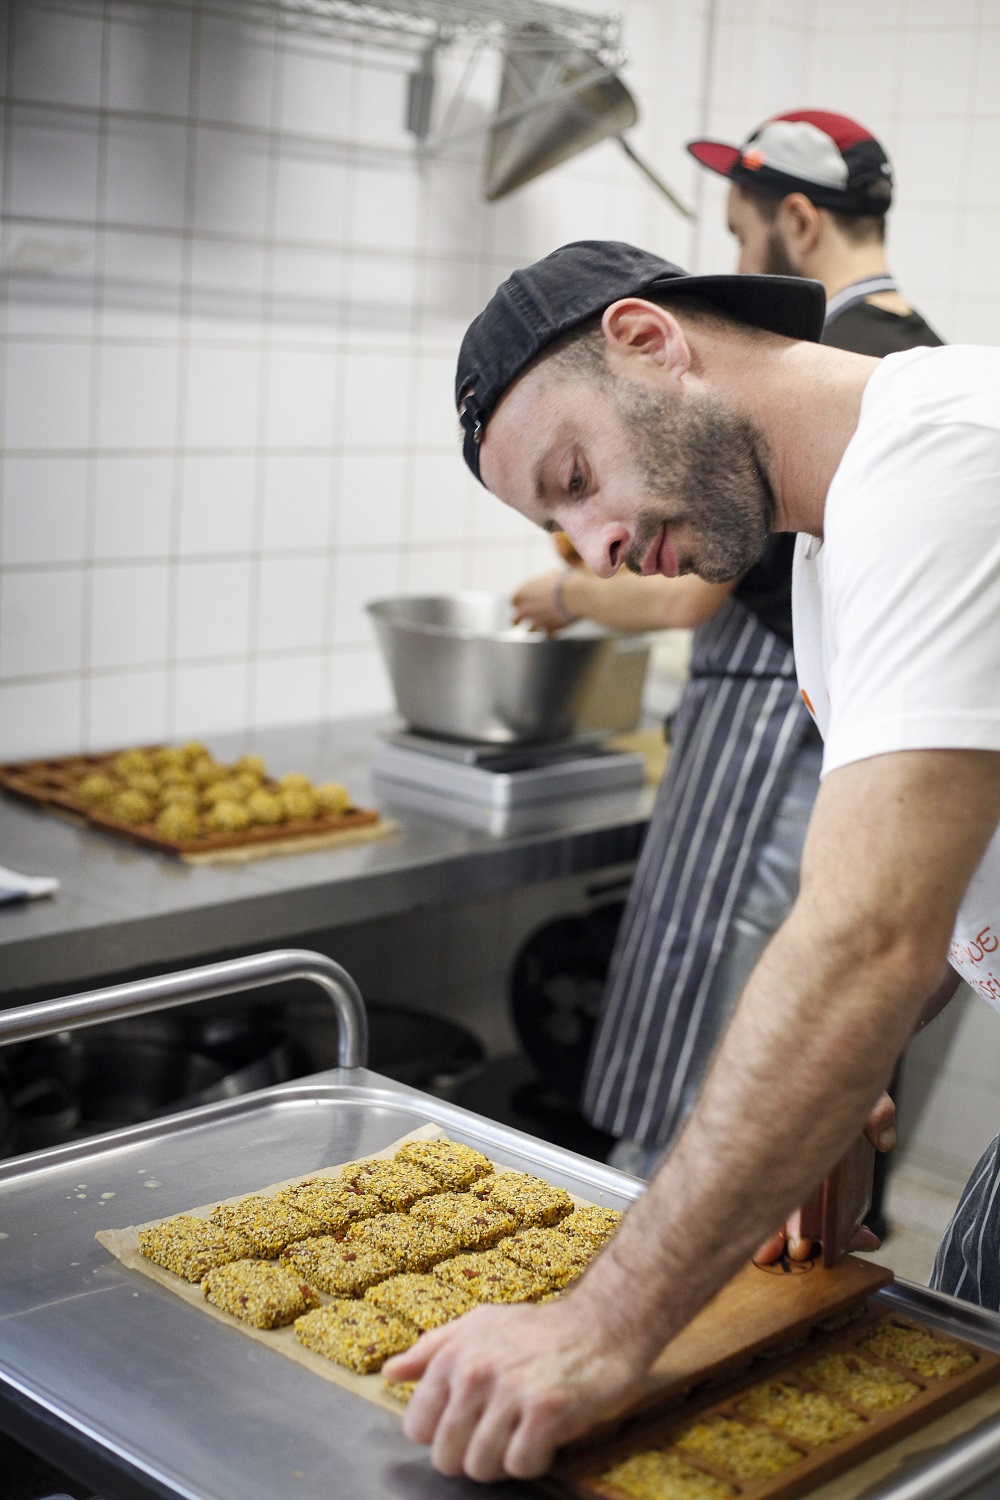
[793, 1042]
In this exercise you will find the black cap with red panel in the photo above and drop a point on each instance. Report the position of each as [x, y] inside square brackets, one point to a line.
[832, 159]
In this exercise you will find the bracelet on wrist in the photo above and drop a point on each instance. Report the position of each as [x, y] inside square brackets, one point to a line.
[559, 600]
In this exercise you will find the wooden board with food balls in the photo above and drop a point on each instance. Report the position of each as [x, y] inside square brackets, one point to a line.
[182, 800]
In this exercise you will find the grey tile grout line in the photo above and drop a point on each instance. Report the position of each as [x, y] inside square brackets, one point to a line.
[183, 371]
[263, 385]
[90, 492]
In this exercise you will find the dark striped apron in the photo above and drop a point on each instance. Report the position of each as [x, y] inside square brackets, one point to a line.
[735, 736]
[967, 1263]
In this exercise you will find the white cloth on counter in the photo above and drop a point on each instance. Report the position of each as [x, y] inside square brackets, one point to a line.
[16, 887]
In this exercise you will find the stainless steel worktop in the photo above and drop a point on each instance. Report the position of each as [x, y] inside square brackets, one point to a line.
[120, 907]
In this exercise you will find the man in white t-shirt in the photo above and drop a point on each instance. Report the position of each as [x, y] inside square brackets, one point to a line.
[668, 423]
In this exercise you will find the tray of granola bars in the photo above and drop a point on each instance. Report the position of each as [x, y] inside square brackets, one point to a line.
[181, 800]
[325, 1228]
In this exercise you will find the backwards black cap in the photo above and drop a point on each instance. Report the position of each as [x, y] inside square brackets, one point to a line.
[538, 303]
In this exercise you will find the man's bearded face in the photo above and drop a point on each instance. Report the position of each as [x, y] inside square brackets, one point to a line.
[700, 465]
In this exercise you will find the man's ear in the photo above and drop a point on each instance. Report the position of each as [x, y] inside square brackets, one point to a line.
[800, 224]
[636, 329]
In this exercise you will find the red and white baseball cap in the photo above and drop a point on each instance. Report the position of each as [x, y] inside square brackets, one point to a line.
[832, 159]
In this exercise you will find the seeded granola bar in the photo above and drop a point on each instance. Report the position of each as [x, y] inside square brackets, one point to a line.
[344, 1269]
[594, 1225]
[934, 1358]
[397, 1185]
[549, 1254]
[269, 1226]
[414, 1244]
[477, 1225]
[745, 1452]
[266, 1296]
[450, 1163]
[191, 1247]
[655, 1475]
[531, 1201]
[488, 1276]
[811, 1416]
[864, 1384]
[355, 1334]
[323, 1201]
[425, 1301]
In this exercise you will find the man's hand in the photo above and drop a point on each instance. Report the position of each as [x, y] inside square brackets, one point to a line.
[536, 602]
[503, 1387]
[880, 1128]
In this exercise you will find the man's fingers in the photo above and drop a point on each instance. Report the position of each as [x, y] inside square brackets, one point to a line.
[468, 1394]
[413, 1362]
[880, 1127]
[772, 1249]
[531, 1449]
[864, 1239]
[799, 1249]
[484, 1456]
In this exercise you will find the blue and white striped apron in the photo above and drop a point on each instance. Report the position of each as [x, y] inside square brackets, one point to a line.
[738, 728]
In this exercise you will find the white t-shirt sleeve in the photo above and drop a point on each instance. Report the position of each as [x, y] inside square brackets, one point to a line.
[911, 591]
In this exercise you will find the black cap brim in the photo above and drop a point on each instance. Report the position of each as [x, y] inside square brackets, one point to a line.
[789, 305]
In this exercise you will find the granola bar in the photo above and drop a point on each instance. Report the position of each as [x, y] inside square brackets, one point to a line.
[916, 1349]
[192, 1247]
[477, 1225]
[863, 1383]
[655, 1475]
[810, 1416]
[549, 1254]
[397, 1185]
[531, 1201]
[489, 1277]
[594, 1225]
[425, 1301]
[355, 1334]
[745, 1452]
[342, 1269]
[266, 1296]
[269, 1226]
[400, 1390]
[450, 1163]
[414, 1244]
[320, 1199]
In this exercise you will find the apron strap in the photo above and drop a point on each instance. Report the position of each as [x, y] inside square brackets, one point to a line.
[850, 296]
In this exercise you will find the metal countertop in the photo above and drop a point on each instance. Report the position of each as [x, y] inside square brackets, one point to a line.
[120, 907]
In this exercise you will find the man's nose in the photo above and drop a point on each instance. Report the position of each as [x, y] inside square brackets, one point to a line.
[603, 549]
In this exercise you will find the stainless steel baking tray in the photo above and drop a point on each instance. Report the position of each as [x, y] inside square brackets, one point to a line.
[177, 1405]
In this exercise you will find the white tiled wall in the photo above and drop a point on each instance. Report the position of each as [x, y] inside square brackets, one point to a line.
[232, 303]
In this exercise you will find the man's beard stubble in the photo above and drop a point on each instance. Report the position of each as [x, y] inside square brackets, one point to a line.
[705, 461]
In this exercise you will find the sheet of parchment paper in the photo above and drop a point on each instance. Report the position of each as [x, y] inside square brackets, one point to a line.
[124, 1245]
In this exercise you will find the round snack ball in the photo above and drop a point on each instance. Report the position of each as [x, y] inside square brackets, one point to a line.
[298, 802]
[94, 789]
[264, 807]
[253, 765]
[295, 781]
[194, 751]
[227, 817]
[246, 781]
[130, 762]
[178, 794]
[227, 790]
[178, 822]
[332, 797]
[144, 782]
[207, 770]
[131, 807]
[175, 776]
[166, 757]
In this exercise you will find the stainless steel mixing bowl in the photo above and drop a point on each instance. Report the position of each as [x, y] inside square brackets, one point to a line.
[459, 668]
